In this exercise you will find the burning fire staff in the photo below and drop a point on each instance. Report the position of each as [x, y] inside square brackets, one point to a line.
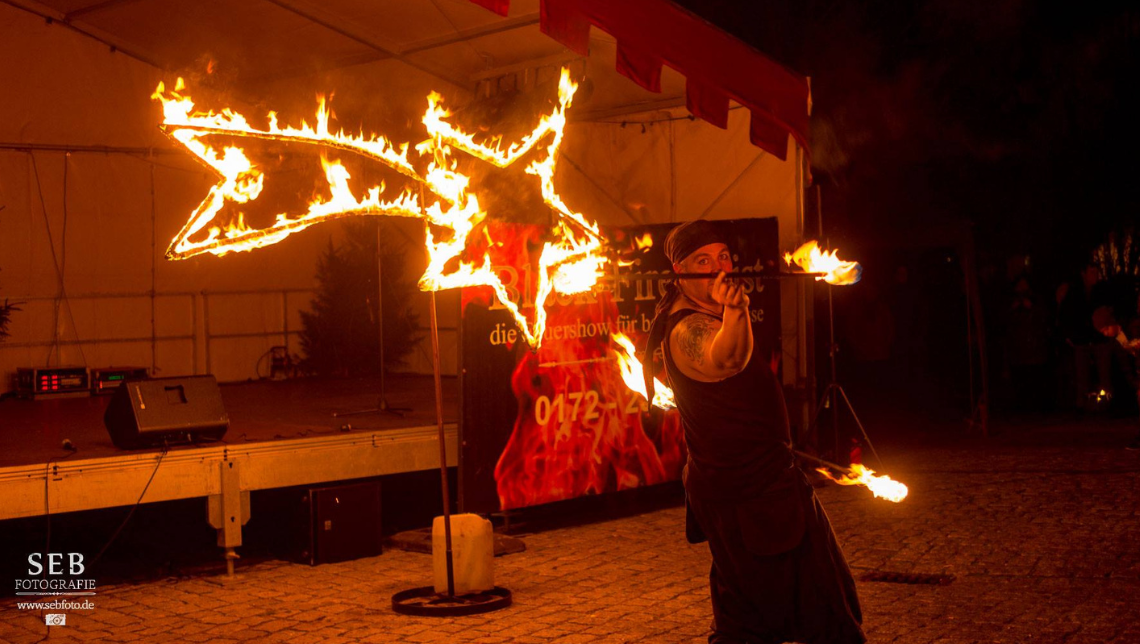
[778, 574]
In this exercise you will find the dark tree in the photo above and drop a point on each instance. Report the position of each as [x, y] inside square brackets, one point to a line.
[340, 336]
[6, 310]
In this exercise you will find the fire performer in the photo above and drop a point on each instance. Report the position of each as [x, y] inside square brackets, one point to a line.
[778, 574]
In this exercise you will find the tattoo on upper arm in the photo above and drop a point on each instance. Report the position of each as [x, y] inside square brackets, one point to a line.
[694, 332]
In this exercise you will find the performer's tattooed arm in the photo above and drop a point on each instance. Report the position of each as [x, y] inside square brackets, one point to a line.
[696, 331]
[694, 347]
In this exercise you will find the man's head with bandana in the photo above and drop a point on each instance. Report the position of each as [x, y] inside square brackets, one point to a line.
[698, 247]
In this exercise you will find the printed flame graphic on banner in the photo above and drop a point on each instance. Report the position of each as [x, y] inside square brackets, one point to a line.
[811, 259]
[571, 260]
[884, 487]
[580, 430]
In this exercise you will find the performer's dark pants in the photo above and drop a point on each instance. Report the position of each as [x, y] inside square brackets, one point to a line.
[778, 574]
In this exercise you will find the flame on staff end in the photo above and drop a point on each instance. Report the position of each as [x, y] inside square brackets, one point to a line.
[631, 373]
[884, 487]
[811, 259]
[571, 262]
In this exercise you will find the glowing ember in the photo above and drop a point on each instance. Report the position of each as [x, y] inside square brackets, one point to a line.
[645, 242]
[811, 259]
[570, 262]
[881, 486]
[631, 373]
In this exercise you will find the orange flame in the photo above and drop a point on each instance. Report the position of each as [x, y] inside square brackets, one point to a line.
[881, 486]
[631, 373]
[571, 261]
[811, 259]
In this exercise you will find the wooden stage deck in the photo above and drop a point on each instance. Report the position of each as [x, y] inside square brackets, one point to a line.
[281, 434]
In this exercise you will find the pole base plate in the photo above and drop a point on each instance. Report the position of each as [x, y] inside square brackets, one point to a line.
[425, 602]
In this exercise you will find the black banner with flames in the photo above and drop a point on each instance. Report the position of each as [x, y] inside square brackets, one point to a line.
[560, 422]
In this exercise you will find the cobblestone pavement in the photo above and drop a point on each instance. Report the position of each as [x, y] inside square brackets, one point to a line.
[1039, 526]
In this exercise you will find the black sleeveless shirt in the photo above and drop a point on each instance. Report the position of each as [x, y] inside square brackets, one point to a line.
[736, 430]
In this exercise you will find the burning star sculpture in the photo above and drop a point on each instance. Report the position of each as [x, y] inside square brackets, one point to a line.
[570, 262]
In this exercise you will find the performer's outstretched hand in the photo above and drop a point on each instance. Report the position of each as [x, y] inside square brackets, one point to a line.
[728, 292]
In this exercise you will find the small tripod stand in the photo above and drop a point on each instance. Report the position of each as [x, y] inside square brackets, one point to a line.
[834, 390]
[382, 405]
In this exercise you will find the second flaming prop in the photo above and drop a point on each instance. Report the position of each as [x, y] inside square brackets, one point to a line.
[883, 487]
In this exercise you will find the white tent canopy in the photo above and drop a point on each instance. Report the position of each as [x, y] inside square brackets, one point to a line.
[92, 192]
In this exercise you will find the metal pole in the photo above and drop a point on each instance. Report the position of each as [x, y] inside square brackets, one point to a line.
[831, 390]
[708, 276]
[383, 403]
[970, 343]
[442, 448]
[829, 394]
[194, 332]
[92, 149]
[206, 328]
[153, 279]
[820, 461]
[285, 320]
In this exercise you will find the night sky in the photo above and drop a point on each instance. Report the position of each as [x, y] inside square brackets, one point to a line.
[1018, 116]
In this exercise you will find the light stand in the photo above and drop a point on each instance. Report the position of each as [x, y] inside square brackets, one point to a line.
[382, 405]
[834, 391]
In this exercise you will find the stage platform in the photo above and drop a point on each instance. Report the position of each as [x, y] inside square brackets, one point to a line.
[281, 434]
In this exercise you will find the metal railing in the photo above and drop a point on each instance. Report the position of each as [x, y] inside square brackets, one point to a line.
[195, 338]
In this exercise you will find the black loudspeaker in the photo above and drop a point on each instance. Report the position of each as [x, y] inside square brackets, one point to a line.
[337, 523]
[164, 411]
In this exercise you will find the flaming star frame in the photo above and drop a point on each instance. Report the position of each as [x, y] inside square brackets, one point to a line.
[571, 262]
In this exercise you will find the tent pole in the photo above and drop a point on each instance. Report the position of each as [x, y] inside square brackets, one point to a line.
[93, 149]
[56, 17]
[672, 172]
[970, 339]
[153, 277]
[804, 370]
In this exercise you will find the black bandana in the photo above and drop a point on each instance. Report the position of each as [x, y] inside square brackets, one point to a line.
[685, 239]
[681, 242]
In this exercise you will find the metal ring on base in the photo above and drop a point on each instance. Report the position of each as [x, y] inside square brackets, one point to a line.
[425, 602]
